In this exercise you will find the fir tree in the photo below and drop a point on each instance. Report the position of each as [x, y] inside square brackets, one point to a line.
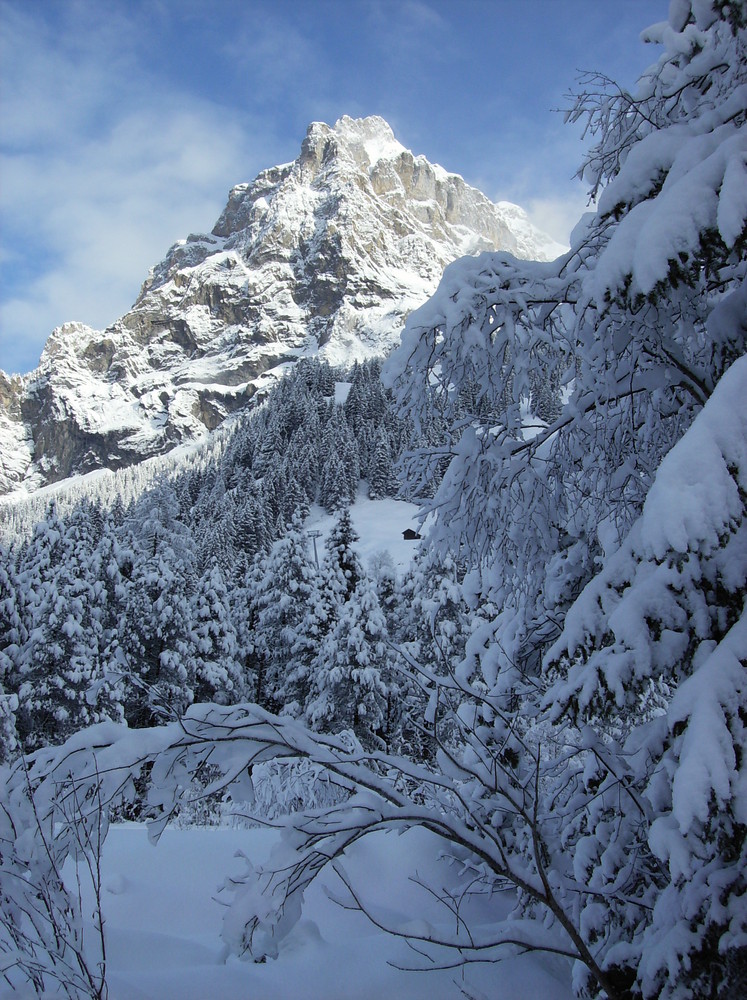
[342, 568]
[283, 603]
[382, 482]
[61, 666]
[217, 671]
[157, 623]
[349, 687]
[334, 492]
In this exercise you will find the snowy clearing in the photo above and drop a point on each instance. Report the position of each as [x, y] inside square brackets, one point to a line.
[379, 523]
[163, 922]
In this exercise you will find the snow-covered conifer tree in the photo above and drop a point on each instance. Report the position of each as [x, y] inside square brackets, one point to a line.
[8, 731]
[61, 666]
[640, 323]
[245, 603]
[355, 403]
[11, 639]
[652, 655]
[270, 447]
[218, 675]
[349, 688]
[641, 318]
[157, 624]
[283, 603]
[342, 567]
[382, 482]
[333, 491]
[12, 631]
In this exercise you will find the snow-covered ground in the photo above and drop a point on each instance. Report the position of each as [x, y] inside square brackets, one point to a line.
[163, 925]
[379, 524]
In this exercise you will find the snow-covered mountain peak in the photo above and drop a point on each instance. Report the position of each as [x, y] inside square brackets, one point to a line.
[364, 141]
[371, 138]
[68, 341]
[327, 254]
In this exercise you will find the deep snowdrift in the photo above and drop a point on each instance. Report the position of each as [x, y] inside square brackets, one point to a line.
[163, 921]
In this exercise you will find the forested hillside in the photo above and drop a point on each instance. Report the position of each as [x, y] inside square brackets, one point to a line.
[556, 690]
[204, 587]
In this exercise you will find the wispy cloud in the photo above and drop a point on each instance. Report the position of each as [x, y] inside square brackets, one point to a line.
[557, 216]
[409, 32]
[103, 164]
[272, 51]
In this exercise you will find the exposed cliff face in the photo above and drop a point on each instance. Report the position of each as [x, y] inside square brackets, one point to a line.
[326, 254]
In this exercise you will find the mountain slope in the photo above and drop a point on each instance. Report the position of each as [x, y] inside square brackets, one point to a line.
[326, 254]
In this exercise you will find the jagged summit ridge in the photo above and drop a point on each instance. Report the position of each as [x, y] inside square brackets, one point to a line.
[328, 253]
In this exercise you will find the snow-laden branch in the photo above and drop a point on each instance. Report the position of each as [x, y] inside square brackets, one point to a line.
[98, 767]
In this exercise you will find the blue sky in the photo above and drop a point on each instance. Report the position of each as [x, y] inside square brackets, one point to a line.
[124, 124]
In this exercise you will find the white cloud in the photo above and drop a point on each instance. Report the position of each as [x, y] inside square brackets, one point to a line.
[535, 167]
[103, 169]
[557, 215]
[101, 215]
[422, 16]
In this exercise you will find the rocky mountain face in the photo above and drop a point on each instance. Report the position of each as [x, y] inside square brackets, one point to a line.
[327, 254]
